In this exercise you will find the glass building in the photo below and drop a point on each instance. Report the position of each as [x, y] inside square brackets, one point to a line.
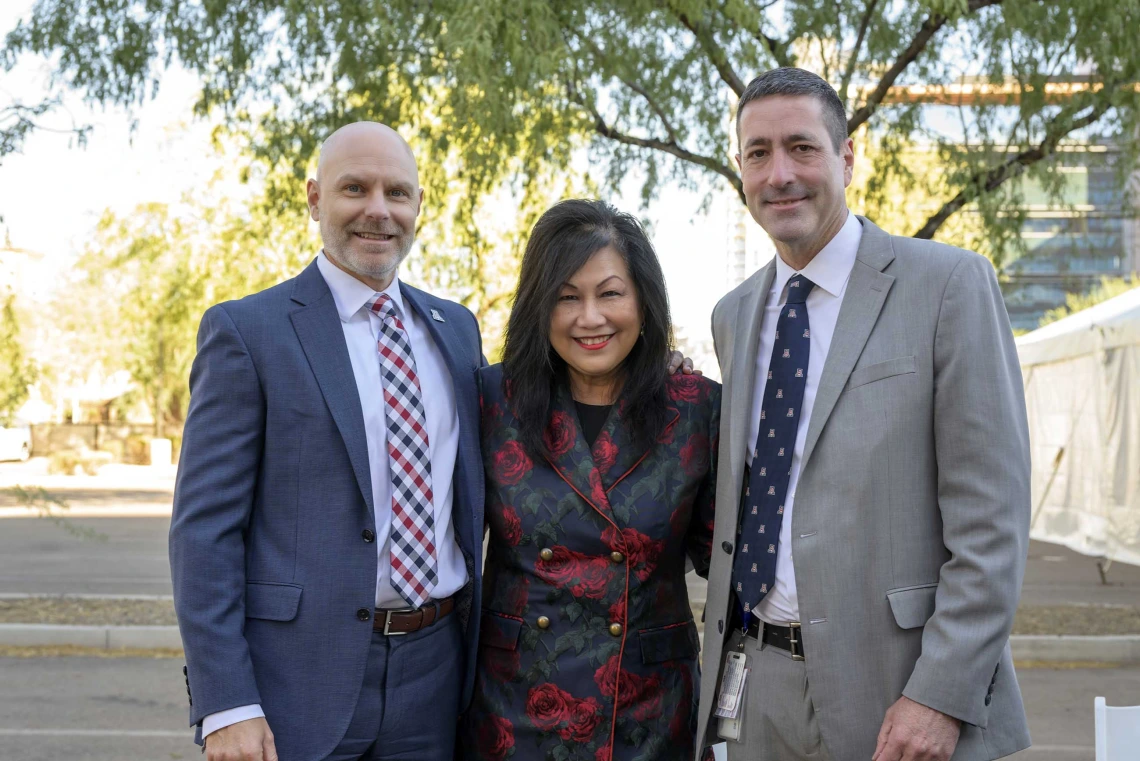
[1073, 241]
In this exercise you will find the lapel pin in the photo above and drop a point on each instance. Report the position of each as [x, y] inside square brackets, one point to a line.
[435, 315]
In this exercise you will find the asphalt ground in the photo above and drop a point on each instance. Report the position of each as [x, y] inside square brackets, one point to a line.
[129, 557]
[124, 708]
[134, 709]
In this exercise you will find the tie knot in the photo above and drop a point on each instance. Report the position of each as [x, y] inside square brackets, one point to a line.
[798, 289]
[382, 305]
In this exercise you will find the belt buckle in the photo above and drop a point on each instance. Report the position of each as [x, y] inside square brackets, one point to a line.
[388, 621]
[795, 645]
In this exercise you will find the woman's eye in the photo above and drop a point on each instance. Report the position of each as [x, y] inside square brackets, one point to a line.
[612, 293]
[567, 297]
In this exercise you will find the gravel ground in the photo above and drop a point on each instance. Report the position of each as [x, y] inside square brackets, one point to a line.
[1031, 619]
[1077, 619]
[72, 610]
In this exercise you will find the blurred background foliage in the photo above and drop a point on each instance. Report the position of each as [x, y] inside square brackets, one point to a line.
[512, 104]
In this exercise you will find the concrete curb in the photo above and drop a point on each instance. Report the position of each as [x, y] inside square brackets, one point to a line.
[99, 637]
[1045, 649]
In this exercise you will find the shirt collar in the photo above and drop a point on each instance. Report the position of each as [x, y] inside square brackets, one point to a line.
[831, 267]
[351, 295]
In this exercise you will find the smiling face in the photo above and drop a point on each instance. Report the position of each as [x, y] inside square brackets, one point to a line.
[595, 324]
[366, 197]
[793, 177]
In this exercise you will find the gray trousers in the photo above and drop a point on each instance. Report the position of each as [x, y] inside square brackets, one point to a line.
[778, 718]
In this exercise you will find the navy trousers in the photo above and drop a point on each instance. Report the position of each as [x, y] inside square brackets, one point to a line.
[409, 704]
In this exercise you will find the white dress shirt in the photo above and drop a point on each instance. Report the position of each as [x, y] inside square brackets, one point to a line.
[829, 270]
[361, 329]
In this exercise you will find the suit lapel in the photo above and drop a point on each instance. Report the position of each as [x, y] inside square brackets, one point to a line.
[441, 331]
[749, 321]
[571, 459]
[462, 372]
[615, 454]
[866, 292]
[318, 328]
[593, 473]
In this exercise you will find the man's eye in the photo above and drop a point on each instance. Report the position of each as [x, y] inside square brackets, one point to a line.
[353, 188]
[398, 193]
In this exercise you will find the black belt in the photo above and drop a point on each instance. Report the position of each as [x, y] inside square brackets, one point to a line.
[784, 637]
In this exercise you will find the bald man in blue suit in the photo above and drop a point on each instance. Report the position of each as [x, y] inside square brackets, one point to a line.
[306, 637]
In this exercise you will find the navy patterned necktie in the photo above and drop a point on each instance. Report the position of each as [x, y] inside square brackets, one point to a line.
[766, 481]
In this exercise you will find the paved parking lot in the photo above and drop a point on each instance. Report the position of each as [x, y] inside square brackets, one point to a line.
[134, 709]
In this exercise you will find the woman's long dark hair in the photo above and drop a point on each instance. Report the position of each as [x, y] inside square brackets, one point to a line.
[562, 241]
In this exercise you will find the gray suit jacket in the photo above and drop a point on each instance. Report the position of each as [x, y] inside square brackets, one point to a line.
[911, 524]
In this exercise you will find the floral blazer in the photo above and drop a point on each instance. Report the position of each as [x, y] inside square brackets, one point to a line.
[588, 649]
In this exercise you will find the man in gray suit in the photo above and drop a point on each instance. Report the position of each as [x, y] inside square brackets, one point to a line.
[873, 502]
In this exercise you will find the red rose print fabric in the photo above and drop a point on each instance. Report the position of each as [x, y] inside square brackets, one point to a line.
[587, 649]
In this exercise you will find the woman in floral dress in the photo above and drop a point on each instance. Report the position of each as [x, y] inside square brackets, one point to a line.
[600, 478]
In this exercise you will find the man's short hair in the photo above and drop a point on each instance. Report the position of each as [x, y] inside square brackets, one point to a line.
[788, 80]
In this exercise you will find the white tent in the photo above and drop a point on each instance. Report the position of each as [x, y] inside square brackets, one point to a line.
[1082, 391]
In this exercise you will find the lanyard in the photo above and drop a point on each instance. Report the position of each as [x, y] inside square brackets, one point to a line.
[745, 616]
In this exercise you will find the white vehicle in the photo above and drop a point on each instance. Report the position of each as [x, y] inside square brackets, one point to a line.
[16, 441]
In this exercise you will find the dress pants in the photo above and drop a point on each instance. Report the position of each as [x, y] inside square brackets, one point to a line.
[778, 719]
[409, 703]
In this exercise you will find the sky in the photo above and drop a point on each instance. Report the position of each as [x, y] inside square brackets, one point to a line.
[53, 192]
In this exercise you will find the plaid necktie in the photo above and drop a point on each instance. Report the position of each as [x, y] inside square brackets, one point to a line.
[754, 569]
[413, 520]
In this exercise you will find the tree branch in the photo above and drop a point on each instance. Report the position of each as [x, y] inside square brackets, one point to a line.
[989, 180]
[716, 53]
[653, 105]
[853, 59]
[929, 28]
[777, 49]
[665, 146]
[636, 87]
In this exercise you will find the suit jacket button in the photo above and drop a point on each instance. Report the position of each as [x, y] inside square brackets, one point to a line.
[368, 535]
[615, 629]
[543, 622]
[727, 547]
[720, 627]
[616, 556]
[546, 554]
[364, 614]
[989, 699]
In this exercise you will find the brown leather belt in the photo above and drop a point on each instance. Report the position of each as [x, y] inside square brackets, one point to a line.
[406, 621]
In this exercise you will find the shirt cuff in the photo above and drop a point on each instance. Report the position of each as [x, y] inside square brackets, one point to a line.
[221, 719]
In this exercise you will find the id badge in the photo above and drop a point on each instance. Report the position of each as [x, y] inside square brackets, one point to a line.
[730, 697]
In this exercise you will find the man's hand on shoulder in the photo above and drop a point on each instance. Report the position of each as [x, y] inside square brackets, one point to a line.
[678, 361]
[914, 732]
[249, 740]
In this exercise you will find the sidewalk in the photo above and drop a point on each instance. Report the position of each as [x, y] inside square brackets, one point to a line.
[117, 490]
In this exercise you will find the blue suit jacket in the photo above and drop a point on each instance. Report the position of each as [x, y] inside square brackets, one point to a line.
[269, 564]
